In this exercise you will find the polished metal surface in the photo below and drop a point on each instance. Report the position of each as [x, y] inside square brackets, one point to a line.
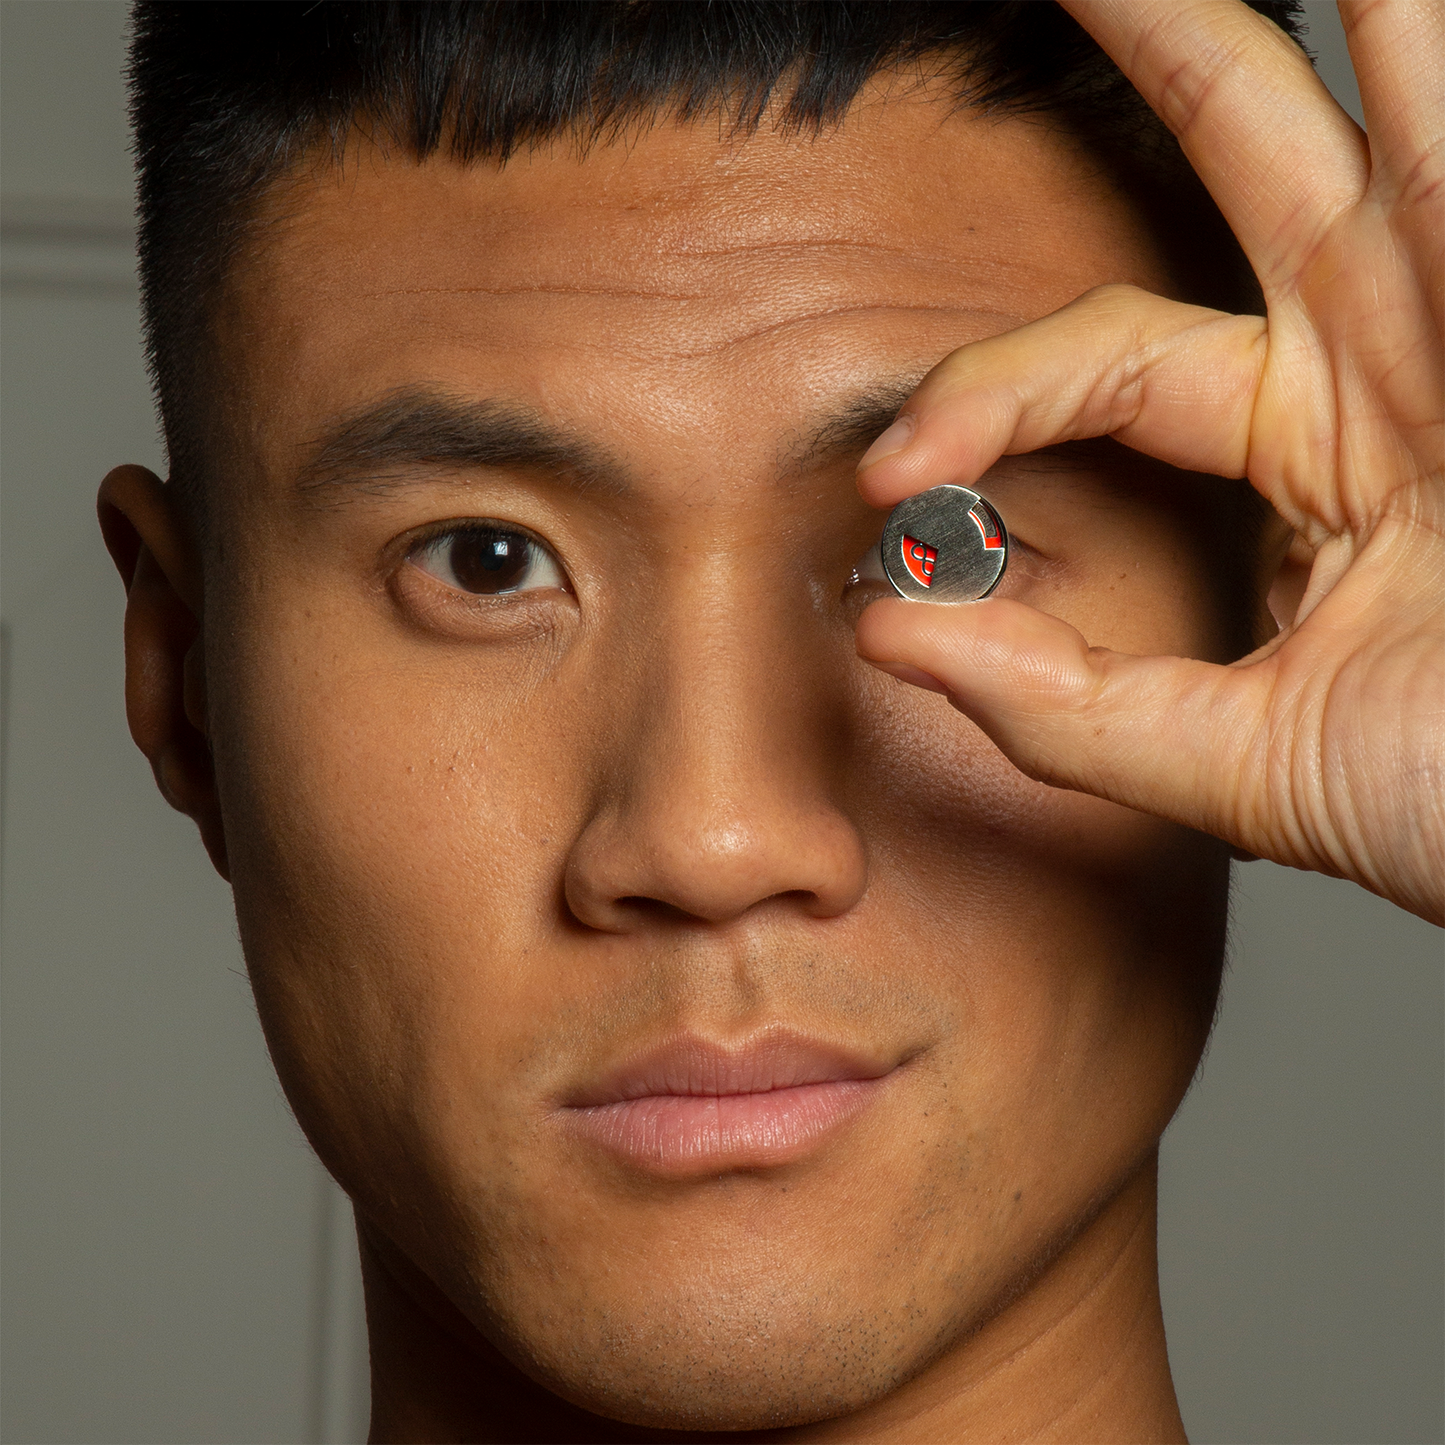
[944, 545]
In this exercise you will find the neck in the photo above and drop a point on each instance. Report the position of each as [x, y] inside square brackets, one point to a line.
[1078, 1356]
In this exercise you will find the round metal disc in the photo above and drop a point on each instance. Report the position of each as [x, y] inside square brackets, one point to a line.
[944, 545]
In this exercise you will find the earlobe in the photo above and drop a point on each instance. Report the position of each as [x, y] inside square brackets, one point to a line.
[164, 661]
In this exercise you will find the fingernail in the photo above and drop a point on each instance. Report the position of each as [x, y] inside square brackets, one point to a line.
[893, 440]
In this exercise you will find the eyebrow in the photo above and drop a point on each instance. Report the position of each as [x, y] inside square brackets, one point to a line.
[384, 445]
[390, 443]
[853, 425]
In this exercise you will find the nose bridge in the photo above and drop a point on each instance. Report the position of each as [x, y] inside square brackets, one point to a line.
[737, 694]
[724, 788]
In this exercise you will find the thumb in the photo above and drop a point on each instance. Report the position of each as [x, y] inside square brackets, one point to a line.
[1166, 735]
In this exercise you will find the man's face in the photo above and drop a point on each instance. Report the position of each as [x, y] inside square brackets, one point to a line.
[528, 878]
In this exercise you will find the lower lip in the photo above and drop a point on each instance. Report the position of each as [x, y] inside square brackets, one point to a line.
[692, 1134]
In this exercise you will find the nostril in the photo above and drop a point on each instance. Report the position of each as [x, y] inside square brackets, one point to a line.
[639, 903]
[803, 897]
[639, 906]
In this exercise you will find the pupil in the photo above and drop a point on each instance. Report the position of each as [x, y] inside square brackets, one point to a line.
[489, 561]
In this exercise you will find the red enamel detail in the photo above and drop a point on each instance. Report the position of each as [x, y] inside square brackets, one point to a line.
[919, 558]
[985, 523]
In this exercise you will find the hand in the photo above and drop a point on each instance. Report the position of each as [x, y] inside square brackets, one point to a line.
[1323, 749]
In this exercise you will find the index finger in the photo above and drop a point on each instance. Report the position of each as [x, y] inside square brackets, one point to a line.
[1279, 156]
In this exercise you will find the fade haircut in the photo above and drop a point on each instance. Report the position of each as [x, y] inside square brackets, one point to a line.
[229, 98]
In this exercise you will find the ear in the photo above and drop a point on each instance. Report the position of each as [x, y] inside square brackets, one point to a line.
[165, 680]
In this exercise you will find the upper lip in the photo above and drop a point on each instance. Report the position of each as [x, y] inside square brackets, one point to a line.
[690, 1065]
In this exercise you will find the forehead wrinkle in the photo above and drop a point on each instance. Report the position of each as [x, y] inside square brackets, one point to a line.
[847, 247]
[1005, 320]
[664, 250]
[630, 284]
[617, 293]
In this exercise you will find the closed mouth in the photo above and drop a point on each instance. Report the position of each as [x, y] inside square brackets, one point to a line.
[696, 1107]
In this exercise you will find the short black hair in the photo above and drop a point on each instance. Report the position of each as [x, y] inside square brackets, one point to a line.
[226, 98]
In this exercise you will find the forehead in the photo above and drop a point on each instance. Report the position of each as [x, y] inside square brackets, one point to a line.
[677, 272]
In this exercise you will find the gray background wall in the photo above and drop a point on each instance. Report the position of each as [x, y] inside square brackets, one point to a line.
[176, 1265]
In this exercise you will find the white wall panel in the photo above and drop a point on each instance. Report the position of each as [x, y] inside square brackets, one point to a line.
[1302, 1223]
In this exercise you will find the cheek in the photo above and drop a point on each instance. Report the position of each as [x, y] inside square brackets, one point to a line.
[399, 821]
[406, 792]
[1078, 943]
[1143, 571]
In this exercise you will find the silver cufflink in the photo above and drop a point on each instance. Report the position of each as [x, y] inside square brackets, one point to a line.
[944, 545]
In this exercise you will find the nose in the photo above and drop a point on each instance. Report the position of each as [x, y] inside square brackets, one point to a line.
[724, 779]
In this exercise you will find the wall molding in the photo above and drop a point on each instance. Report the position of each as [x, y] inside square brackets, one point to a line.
[67, 243]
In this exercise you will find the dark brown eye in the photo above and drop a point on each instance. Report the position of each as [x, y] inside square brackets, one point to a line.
[488, 561]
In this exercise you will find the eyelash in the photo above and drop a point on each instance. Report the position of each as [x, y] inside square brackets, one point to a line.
[488, 559]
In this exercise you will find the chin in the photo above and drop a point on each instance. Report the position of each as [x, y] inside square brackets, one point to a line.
[711, 1382]
[748, 1361]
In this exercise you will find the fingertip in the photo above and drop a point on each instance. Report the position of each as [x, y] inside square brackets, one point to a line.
[895, 439]
[913, 675]
[877, 632]
[900, 474]
[887, 628]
